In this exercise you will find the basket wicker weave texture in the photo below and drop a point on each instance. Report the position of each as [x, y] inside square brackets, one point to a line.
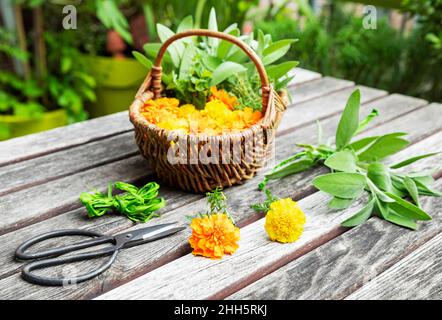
[194, 174]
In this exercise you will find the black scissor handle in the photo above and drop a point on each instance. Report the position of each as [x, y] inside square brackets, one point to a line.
[98, 239]
[52, 281]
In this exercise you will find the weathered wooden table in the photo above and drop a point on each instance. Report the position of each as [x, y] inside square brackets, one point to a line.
[42, 175]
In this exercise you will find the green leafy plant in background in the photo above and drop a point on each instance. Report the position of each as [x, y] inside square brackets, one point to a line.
[357, 168]
[192, 67]
[334, 42]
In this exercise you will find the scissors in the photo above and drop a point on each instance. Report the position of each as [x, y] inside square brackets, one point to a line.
[50, 257]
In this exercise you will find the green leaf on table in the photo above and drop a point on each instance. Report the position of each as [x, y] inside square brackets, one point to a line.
[401, 220]
[226, 70]
[292, 168]
[383, 147]
[362, 143]
[380, 176]
[412, 160]
[340, 204]
[364, 123]
[276, 50]
[411, 187]
[141, 58]
[426, 190]
[382, 208]
[342, 161]
[279, 70]
[407, 209]
[349, 122]
[341, 184]
[378, 192]
[361, 216]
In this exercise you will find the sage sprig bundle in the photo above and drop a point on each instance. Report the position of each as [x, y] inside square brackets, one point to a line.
[138, 204]
[356, 167]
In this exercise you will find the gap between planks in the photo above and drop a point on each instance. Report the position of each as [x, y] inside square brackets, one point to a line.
[112, 275]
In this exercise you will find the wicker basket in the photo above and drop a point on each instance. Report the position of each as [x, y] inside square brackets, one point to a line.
[253, 143]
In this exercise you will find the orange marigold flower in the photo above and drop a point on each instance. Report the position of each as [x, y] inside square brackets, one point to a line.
[229, 100]
[213, 236]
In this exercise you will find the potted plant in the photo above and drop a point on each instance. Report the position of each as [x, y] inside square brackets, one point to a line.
[41, 87]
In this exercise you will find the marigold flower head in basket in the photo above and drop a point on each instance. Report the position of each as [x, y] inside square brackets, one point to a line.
[214, 233]
[284, 219]
[217, 116]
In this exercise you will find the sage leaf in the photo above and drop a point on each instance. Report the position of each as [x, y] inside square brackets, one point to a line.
[361, 216]
[401, 221]
[339, 203]
[383, 147]
[185, 24]
[225, 46]
[411, 187]
[349, 122]
[426, 190]
[175, 49]
[342, 161]
[141, 58]
[364, 123]
[412, 160]
[276, 50]
[277, 71]
[380, 176]
[226, 70]
[409, 209]
[362, 143]
[213, 25]
[382, 208]
[291, 168]
[341, 184]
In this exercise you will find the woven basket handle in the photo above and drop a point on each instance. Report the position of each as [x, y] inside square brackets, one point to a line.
[154, 78]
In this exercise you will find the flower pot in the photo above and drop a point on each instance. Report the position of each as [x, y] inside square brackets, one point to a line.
[20, 126]
[117, 82]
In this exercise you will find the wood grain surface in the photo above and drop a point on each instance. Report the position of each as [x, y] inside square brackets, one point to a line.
[417, 276]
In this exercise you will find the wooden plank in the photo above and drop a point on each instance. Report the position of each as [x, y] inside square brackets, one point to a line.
[339, 267]
[326, 106]
[144, 258]
[318, 88]
[55, 165]
[255, 258]
[45, 200]
[31, 146]
[303, 76]
[417, 276]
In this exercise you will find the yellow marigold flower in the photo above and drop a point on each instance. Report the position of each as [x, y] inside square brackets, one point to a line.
[213, 236]
[284, 221]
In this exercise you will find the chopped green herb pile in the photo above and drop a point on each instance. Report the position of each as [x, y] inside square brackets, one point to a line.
[356, 167]
[138, 204]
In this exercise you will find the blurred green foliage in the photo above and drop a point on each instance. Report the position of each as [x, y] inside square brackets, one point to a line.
[335, 43]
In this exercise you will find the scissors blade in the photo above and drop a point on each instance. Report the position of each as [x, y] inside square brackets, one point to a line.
[143, 235]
